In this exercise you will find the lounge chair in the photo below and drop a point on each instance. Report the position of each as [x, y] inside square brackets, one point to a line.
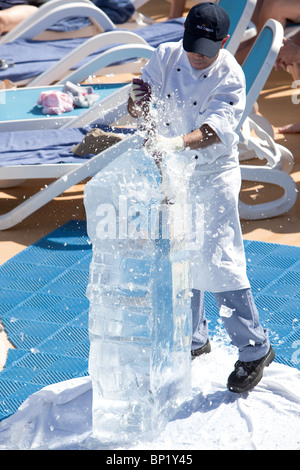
[256, 141]
[64, 169]
[29, 116]
[92, 49]
[54, 11]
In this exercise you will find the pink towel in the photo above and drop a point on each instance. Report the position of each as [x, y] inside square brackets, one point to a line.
[55, 102]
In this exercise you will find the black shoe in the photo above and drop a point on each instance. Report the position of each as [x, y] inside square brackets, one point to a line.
[205, 349]
[247, 374]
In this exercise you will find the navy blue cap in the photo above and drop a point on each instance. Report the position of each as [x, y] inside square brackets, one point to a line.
[206, 25]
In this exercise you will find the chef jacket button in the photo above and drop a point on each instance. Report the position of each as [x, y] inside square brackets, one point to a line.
[195, 103]
[204, 76]
[169, 96]
[178, 70]
[196, 157]
[231, 102]
[167, 123]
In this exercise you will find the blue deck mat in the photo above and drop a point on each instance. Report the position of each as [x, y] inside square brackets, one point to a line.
[45, 312]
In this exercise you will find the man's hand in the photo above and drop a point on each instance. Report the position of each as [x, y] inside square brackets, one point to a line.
[160, 144]
[140, 92]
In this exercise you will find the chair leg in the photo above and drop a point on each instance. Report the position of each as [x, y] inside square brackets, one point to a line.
[273, 208]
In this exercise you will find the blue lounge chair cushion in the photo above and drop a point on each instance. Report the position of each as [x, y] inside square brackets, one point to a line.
[119, 11]
[48, 146]
[4, 4]
[70, 24]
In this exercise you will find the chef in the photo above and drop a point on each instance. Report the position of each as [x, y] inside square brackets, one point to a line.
[197, 91]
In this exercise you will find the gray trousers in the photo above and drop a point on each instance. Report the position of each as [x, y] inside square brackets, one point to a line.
[241, 321]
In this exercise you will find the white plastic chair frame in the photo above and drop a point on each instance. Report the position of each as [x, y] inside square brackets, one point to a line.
[279, 160]
[244, 29]
[63, 66]
[55, 10]
[88, 169]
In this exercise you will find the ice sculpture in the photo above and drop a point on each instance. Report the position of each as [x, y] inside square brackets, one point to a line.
[139, 292]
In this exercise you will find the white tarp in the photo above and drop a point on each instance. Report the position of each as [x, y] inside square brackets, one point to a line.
[59, 416]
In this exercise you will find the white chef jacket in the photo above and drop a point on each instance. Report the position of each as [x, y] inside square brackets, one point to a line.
[186, 98]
